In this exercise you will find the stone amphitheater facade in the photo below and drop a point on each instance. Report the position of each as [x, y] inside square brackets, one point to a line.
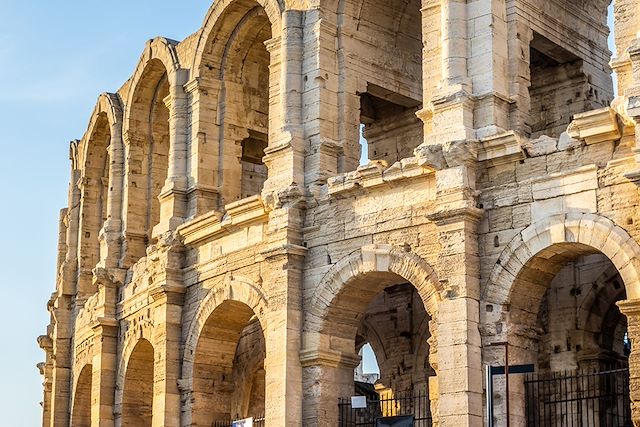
[225, 253]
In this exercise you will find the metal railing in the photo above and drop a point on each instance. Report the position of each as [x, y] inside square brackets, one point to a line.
[584, 399]
[414, 403]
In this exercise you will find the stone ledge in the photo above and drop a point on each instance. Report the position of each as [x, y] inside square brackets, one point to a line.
[501, 149]
[209, 226]
[596, 126]
[375, 174]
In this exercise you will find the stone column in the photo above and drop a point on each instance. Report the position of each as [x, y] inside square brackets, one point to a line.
[627, 29]
[46, 368]
[105, 359]
[284, 156]
[631, 309]
[327, 377]
[448, 114]
[111, 233]
[459, 344]
[284, 258]
[134, 237]
[167, 301]
[173, 197]
[104, 372]
[454, 43]
[61, 305]
[633, 103]
[320, 95]
[487, 63]
[203, 185]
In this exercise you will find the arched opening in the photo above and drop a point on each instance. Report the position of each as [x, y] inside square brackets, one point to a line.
[567, 64]
[564, 320]
[380, 50]
[81, 414]
[148, 156]
[388, 313]
[137, 400]
[228, 369]
[236, 56]
[93, 211]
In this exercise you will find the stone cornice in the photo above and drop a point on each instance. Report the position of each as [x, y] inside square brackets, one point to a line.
[209, 226]
[328, 358]
[596, 126]
[501, 149]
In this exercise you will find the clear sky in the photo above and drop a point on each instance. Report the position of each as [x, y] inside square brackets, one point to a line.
[56, 57]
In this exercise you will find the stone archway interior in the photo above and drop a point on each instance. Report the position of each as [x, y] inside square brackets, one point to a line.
[148, 153]
[81, 415]
[562, 318]
[137, 401]
[229, 371]
[382, 309]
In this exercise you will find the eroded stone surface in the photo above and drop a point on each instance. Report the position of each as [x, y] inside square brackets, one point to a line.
[225, 254]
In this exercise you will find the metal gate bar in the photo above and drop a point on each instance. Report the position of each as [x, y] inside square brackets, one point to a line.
[582, 399]
[409, 403]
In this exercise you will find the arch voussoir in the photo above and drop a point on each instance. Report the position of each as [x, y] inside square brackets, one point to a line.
[589, 230]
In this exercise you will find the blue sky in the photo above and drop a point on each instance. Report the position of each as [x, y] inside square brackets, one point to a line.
[56, 57]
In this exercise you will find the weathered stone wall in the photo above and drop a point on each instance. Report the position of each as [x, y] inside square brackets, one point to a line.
[223, 253]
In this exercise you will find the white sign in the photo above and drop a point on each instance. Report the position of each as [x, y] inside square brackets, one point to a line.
[358, 402]
[247, 422]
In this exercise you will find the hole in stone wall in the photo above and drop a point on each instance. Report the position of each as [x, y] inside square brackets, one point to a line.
[559, 87]
[254, 171]
[389, 125]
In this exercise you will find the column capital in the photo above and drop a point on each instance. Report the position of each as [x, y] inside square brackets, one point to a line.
[629, 307]
[329, 358]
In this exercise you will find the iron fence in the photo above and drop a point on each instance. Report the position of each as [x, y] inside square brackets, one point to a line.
[582, 399]
[257, 422]
[409, 403]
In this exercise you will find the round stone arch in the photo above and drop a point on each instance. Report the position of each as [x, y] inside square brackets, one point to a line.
[596, 232]
[230, 288]
[212, 21]
[516, 285]
[373, 259]
[143, 331]
[157, 49]
[81, 400]
[108, 105]
[101, 154]
[326, 354]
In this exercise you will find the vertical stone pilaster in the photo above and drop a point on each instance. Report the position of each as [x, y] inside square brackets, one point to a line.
[46, 370]
[627, 29]
[284, 156]
[167, 308]
[203, 151]
[60, 305]
[320, 96]
[487, 64]
[327, 377]
[111, 234]
[284, 257]
[105, 358]
[134, 237]
[173, 197]
[631, 309]
[458, 339]
[104, 366]
[633, 103]
[448, 113]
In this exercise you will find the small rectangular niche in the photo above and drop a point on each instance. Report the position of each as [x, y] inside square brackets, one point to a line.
[391, 128]
[559, 88]
[254, 171]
